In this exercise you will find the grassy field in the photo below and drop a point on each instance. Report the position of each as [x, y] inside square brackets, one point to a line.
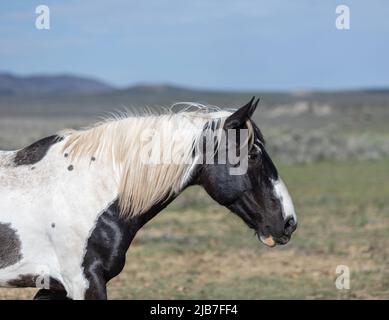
[333, 148]
[198, 250]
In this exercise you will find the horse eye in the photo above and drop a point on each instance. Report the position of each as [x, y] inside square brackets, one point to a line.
[255, 153]
[253, 156]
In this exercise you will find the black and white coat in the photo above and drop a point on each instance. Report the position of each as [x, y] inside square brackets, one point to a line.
[61, 218]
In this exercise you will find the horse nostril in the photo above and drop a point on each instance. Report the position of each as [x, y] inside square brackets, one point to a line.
[290, 226]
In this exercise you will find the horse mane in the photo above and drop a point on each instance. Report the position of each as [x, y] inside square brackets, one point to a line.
[118, 141]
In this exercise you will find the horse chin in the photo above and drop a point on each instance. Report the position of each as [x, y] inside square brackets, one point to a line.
[268, 241]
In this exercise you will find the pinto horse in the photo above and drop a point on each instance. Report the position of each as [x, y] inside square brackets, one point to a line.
[71, 203]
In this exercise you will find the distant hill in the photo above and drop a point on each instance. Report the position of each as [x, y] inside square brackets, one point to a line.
[77, 95]
[49, 85]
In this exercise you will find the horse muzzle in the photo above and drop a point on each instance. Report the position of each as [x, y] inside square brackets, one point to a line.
[271, 241]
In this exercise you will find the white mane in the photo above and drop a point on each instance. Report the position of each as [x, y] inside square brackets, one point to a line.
[119, 142]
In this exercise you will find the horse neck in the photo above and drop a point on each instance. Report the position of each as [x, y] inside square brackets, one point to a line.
[130, 226]
[140, 220]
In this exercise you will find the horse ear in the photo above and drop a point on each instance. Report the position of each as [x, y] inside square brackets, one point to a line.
[240, 116]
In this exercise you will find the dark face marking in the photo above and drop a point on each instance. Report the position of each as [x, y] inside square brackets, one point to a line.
[93, 159]
[251, 195]
[10, 246]
[35, 152]
[66, 155]
[53, 225]
[71, 167]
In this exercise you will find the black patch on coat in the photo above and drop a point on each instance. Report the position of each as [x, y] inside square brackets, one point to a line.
[35, 152]
[10, 246]
[48, 294]
[107, 246]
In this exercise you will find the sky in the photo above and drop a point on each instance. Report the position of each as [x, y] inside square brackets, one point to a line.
[218, 44]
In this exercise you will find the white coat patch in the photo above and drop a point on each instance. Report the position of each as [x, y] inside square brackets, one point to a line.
[34, 198]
